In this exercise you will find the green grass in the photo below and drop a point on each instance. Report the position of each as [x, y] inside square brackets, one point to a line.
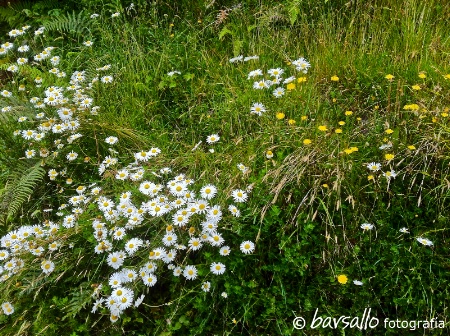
[308, 201]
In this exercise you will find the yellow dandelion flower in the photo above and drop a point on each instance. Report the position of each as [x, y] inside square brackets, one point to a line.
[444, 114]
[325, 185]
[323, 128]
[348, 113]
[447, 76]
[376, 107]
[416, 87]
[348, 151]
[338, 131]
[291, 122]
[411, 147]
[422, 75]
[335, 78]
[434, 119]
[389, 77]
[290, 86]
[280, 115]
[359, 119]
[389, 131]
[354, 149]
[301, 79]
[307, 142]
[370, 177]
[342, 279]
[341, 123]
[389, 157]
[303, 118]
[334, 100]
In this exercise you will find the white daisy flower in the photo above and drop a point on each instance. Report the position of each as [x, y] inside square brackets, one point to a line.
[262, 84]
[169, 239]
[6, 93]
[247, 247]
[72, 156]
[111, 140]
[239, 195]
[216, 239]
[30, 153]
[177, 271]
[217, 268]
[129, 275]
[255, 73]
[8, 308]
[302, 65]
[289, 80]
[139, 300]
[374, 166]
[47, 266]
[236, 59]
[206, 286]
[257, 108]
[107, 79]
[234, 210]
[385, 146]
[116, 259]
[122, 174]
[278, 92]
[115, 280]
[213, 138]
[149, 279]
[133, 245]
[190, 272]
[195, 244]
[390, 174]
[358, 283]
[224, 251]
[424, 241]
[242, 168]
[367, 226]
[275, 72]
[249, 58]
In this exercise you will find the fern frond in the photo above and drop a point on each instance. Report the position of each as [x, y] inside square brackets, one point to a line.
[13, 13]
[75, 23]
[20, 187]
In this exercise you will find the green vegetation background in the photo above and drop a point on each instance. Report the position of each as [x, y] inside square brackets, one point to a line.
[306, 233]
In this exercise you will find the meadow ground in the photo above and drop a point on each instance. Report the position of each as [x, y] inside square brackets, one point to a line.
[217, 168]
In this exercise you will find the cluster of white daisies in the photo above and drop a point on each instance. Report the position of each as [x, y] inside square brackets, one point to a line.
[192, 224]
[275, 78]
[59, 108]
[127, 228]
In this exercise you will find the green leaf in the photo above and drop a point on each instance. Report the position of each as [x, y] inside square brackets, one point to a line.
[188, 76]
[224, 32]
